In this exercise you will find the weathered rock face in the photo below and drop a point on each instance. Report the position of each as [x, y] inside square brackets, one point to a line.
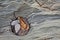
[45, 23]
[6, 13]
[51, 5]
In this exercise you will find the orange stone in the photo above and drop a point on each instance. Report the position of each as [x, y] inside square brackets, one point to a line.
[24, 25]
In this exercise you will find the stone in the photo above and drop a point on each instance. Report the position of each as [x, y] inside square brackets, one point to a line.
[56, 6]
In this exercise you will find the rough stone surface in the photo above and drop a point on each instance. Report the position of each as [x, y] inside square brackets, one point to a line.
[44, 21]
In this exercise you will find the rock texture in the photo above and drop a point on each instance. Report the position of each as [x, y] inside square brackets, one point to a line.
[44, 20]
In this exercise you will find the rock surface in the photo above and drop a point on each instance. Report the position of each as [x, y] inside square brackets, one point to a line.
[44, 21]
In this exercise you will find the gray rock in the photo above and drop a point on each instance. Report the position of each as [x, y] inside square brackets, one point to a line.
[24, 11]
